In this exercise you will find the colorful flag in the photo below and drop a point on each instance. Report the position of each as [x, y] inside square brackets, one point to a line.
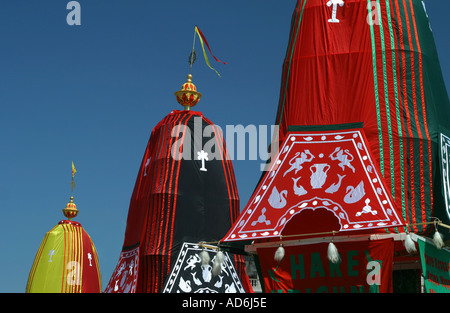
[73, 170]
[203, 39]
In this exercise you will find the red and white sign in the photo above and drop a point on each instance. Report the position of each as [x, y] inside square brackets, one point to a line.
[365, 266]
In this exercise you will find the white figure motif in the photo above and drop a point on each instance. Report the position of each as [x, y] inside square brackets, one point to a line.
[197, 281]
[354, 194]
[203, 156]
[367, 209]
[344, 157]
[296, 163]
[131, 267]
[230, 288]
[335, 187]
[146, 164]
[318, 175]
[277, 199]
[121, 268]
[90, 259]
[51, 253]
[334, 3]
[185, 286]
[193, 259]
[261, 218]
[218, 284]
[206, 272]
[298, 190]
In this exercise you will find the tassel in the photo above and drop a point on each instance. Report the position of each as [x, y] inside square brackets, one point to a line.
[437, 239]
[204, 257]
[279, 254]
[217, 265]
[333, 254]
[410, 245]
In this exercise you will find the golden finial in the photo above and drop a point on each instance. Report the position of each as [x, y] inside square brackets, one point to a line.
[188, 96]
[71, 210]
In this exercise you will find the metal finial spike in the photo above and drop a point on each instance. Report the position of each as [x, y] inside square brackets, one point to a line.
[192, 57]
[72, 184]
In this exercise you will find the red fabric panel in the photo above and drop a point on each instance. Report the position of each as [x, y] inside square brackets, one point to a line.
[314, 170]
[306, 269]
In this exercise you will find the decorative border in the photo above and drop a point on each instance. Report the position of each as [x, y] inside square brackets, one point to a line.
[293, 138]
[188, 249]
[121, 276]
[445, 146]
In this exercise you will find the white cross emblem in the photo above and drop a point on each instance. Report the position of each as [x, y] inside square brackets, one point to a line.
[51, 253]
[203, 156]
[335, 3]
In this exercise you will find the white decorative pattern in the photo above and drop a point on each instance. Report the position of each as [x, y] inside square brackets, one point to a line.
[189, 275]
[445, 147]
[331, 170]
[124, 278]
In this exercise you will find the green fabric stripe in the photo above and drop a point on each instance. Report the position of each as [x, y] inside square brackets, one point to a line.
[290, 60]
[397, 108]
[406, 63]
[386, 100]
[403, 61]
[415, 208]
[415, 91]
[375, 82]
[428, 158]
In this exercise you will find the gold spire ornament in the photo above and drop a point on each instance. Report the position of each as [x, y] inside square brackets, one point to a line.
[188, 96]
[71, 210]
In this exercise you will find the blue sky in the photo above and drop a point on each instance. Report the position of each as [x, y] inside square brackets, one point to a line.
[93, 93]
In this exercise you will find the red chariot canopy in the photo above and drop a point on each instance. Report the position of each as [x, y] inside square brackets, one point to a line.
[351, 61]
[320, 181]
[178, 199]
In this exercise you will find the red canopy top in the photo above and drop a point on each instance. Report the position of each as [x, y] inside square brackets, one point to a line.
[320, 181]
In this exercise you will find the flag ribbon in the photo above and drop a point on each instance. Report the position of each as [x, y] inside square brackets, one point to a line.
[203, 39]
[72, 182]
